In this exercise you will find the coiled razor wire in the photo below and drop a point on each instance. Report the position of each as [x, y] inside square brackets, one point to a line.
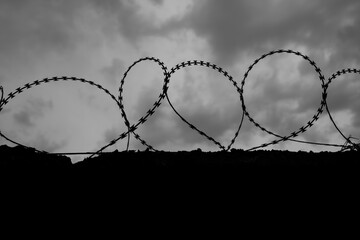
[301, 129]
[27, 86]
[131, 128]
[225, 74]
[349, 143]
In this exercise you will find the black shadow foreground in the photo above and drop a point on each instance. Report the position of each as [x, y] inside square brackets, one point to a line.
[240, 166]
[146, 190]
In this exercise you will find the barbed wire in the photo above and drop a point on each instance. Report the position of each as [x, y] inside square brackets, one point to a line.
[28, 86]
[225, 74]
[348, 143]
[302, 129]
[131, 128]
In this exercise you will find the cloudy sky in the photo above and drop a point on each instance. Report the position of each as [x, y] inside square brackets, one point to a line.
[98, 40]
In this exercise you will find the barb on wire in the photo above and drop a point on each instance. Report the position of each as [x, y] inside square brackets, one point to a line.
[132, 127]
[2, 94]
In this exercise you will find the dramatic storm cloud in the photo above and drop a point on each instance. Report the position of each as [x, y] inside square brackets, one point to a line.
[99, 40]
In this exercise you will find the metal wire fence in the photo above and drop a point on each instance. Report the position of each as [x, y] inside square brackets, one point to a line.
[167, 74]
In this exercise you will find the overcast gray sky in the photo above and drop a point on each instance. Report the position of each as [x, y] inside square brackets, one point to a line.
[98, 40]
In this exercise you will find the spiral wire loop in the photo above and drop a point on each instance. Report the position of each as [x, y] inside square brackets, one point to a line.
[348, 143]
[131, 128]
[27, 86]
[225, 74]
[301, 129]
